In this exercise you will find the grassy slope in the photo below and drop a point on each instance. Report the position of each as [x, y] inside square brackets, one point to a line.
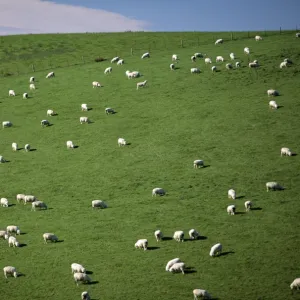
[222, 118]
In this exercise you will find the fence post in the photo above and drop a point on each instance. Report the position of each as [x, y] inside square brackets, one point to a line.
[82, 59]
[279, 30]
[131, 51]
[33, 68]
[181, 43]
[231, 36]
[248, 34]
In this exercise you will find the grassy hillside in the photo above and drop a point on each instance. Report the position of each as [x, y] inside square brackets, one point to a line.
[222, 118]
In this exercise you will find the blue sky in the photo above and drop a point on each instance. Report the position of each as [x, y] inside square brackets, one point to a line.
[40, 16]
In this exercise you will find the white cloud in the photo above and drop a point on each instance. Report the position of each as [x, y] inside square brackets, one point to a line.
[36, 16]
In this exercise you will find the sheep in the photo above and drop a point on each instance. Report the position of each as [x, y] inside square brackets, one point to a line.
[215, 249]
[49, 237]
[133, 74]
[25, 96]
[158, 191]
[77, 268]
[178, 236]
[231, 209]
[27, 147]
[85, 296]
[273, 104]
[121, 142]
[45, 123]
[81, 277]
[96, 84]
[12, 241]
[11, 93]
[219, 58]
[295, 284]
[84, 107]
[38, 204]
[273, 186]
[214, 69]
[109, 110]
[2, 159]
[51, 112]
[31, 79]
[195, 70]
[29, 198]
[198, 293]
[20, 197]
[141, 244]
[207, 60]
[158, 235]
[248, 205]
[231, 194]
[141, 84]
[115, 59]
[99, 204]
[177, 267]
[237, 64]
[108, 70]
[13, 229]
[246, 50]
[272, 93]
[258, 38]
[9, 270]
[284, 64]
[120, 62]
[3, 234]
[32, 86]
[298, 34]
[4, 202]
[285, 151]
[147, 54]
[232, 56]
[172, 66]
[193, 234]
[253, 64]
[6, 124]
[219, 41]
[228, 66]
[14, 146]
[193, 58]
[84, 120]
[174, 57]
[198, 163]
[51, 74]
[200, 55]
[70, 144]
[172, 262]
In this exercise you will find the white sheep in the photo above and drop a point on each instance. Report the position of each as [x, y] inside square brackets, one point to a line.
[248, 205]
[273, 104]
[13, 229]
[215, 249]
[121, 142]
[49, 237]
[45, 123]
[198, 163]
[195, 70]
[141, 244]
[77, 268]
[51, 112]
[3, 234]
[4, 202]
[297, 34]
[133, 74]
[9, 270]
[178, 236]
[115, 59]
[199, 293]
[219, 41]
[284, 64]
[147, 54]
[174, 57]
[2, 159]
[29, 198]
[273, 186]
[14, 146]
[172, 66]
[158, 191]
[228, 66]
[120, 62]
[141, 84]
[11, 93]
[158, 235]
[96, 84]
[172, 262]
[6, 124]
[108, 70]
[207, 60]
[109, 110]
[177, 267]
[246, 50]
[70, 144]
[38, 204]
[84, 107]
[85, 296]
[214, 69]
[51, 74]
[81, 277]
[12, 241]
[193, 234]
[237, 64]
[27, 147]
[231, 194]
[232, 56]
[25, 96]
[20, 197]
[272, 92]
[32, 86]
[253, 64]
[285, 151]
[231, 209]
[84, 120]
[258, 38]
[219, 58]
[31, 79]
[99, 204]
[295, 284]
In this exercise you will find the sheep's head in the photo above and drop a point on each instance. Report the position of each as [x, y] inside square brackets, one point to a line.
[18, 231]
[15, 274]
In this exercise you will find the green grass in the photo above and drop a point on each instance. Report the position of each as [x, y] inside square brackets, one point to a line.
[222, 118]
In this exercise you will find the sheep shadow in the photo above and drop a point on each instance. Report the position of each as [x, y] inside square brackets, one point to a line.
[239, 213]
[112, 113]
[90, 109]
[89, 272]
[20, 149]
[22, 245]
[7, 161]
[93, 282]
[23, 233]
[21, 275]
[189, 270]
[49, 125]
[202, 237]
[240, 197]
[32, 149]
[153, 248]
[10, 205]
[75, 147]
[294, 154]
[256, 208]
[59, 241]
[167, 238]
[205, 166]
[128, 144]
[279, 106]
[226, 253]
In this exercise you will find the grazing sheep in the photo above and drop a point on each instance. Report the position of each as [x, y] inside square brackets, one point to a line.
[174, 57]
[272, 93]
[285, 151]
[27, 147]
[273, 186]
[298, 34]
[120, 62]
[147, 54]
[171, 263]
[158, 235]
[12, 241]
[13, 229]
[219, 58]
[193, 234]
[85, 296]
[38, 204]
[6, 124]
[195, 70]
[193, 58]
[219, 41]
[109, 110]
[198, 163]
[248, 205]
[84, 107]
[172, 66]
[3, 234]
[4, 202]
[258, 38]
[214, 69]
[133, 74]
[288, 61]
[81, 277]
[49, 237]
[20, 197]
[284, 64]
[141, 244]
[178, 236]
[14, 146]
[70, 144]
[232, 56]
[158, 191]
[273, 104]
[177, 267]
[231, 194]
[141, 84]
[115, 59]
[108, 70]
[295, 284]
[31, 79]
[84, 120]
[32, 86]
[45, 123]
[96, 84]
[203, 294]
[246, 50]
[51, 74]
[99, 204]
[77, 268]
[237, 64]
[2, 159]
[9, 270]
[215, 249]
[51, 112]
[121, 142]
[207, 60]
[200, 55]
[231, 209]
[25, 96]
[253, 64]
[11, 93]
[228, 66]
[29, 198]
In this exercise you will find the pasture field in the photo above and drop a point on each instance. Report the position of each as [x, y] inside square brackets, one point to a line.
[222, 118]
